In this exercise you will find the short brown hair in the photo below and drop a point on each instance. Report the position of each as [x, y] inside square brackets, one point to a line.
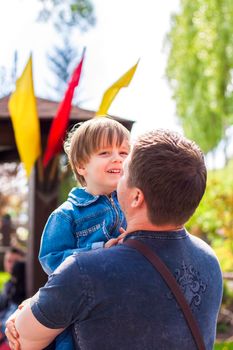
[171, 172]
[87, 137]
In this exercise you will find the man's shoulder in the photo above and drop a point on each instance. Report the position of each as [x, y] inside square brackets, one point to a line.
[202, 245]
[98, 257]
[203, 251]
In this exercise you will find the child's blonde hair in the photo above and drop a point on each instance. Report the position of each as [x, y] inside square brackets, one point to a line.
[87, 137]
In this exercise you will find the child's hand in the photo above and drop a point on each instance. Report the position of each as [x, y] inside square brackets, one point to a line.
[111, 242]
[118, 240]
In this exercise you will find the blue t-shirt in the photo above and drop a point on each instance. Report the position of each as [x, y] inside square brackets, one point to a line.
[83, 222]
[117, 300]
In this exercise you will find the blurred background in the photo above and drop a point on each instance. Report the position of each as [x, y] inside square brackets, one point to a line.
[183, 82]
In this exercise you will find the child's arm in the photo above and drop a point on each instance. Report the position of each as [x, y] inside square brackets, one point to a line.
[58, 241]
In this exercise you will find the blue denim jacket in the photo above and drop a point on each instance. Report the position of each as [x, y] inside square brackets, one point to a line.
[83, 222]
[118, 301]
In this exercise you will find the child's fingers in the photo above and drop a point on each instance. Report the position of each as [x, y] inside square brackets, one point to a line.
[122, 235]
[115, 241]
[120, 241]
[111, 243]
[122, 230]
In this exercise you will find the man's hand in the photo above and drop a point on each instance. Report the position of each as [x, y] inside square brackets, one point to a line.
[118, 240]
[11, 333]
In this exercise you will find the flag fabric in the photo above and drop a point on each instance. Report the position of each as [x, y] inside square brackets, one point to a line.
[60, 121]
[113, 90]
[23, 112]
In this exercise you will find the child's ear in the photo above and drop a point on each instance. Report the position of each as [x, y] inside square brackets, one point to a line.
[138, 198]
[81, 169]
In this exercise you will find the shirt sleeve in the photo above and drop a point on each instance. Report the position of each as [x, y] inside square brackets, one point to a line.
[64, 299]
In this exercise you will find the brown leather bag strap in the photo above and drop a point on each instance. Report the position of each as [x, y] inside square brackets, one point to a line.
[173, 285]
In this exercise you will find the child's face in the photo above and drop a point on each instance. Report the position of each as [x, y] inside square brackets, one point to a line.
[103, 170]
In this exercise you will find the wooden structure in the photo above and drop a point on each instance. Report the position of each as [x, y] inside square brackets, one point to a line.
[43, 196]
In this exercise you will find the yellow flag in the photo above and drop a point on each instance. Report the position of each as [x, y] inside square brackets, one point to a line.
[23, 111]
[111, 93]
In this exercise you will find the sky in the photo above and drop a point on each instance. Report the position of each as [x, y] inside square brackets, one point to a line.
[125, 31]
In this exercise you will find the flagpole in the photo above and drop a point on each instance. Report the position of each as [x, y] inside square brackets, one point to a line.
[40, 170]
[53, 169]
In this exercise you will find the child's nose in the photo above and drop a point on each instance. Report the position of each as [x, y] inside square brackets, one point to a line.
[117, 157]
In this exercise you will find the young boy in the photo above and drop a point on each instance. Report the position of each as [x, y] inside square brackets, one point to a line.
[91, 215]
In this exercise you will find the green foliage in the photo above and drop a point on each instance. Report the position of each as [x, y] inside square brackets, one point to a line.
[199, 69]
[213, 220]
[67, 14]
[61, 61]
[227, 295]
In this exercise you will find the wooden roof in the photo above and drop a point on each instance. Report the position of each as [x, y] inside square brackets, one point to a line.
[46, 111]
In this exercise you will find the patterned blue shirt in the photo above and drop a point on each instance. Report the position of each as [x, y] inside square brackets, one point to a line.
[116, 300]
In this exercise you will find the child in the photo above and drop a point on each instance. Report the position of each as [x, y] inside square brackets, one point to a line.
[91, 215]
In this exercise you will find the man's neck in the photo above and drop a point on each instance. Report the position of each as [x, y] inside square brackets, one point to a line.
[145, 225]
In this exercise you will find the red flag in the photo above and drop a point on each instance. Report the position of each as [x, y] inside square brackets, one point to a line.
[60, 122]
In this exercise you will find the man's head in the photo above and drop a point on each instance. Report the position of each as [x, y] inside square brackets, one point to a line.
[168, 172]
[89, 138]
[11, 256]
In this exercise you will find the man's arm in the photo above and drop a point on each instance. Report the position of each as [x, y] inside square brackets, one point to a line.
[54, 307]
[32, 334]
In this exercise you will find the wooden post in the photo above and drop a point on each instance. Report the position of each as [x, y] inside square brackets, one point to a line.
[43, 199]
[6, 230]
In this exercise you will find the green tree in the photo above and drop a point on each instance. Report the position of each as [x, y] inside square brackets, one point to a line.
[199, 69]
[61, 62]
[68, 13]
[66, 16]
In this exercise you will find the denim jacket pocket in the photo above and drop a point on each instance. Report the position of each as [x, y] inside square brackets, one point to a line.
[89, 235]
[88, 231]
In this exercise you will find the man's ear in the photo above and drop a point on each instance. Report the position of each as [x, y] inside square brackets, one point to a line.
[81, 169]
[138, 198]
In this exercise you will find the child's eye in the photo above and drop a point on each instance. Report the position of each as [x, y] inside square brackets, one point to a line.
[103, 153]
[125, 154]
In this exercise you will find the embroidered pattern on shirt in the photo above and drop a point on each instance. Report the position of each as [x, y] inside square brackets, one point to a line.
[191, 285]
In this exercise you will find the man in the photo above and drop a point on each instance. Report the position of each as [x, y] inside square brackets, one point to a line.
[9, 297]
[114, 297]
[12, 256]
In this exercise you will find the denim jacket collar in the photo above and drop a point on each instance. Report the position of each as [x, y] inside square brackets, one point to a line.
[81, 198]
[179, 234]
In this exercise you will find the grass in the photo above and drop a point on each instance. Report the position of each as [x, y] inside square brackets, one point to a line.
[223, 346]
